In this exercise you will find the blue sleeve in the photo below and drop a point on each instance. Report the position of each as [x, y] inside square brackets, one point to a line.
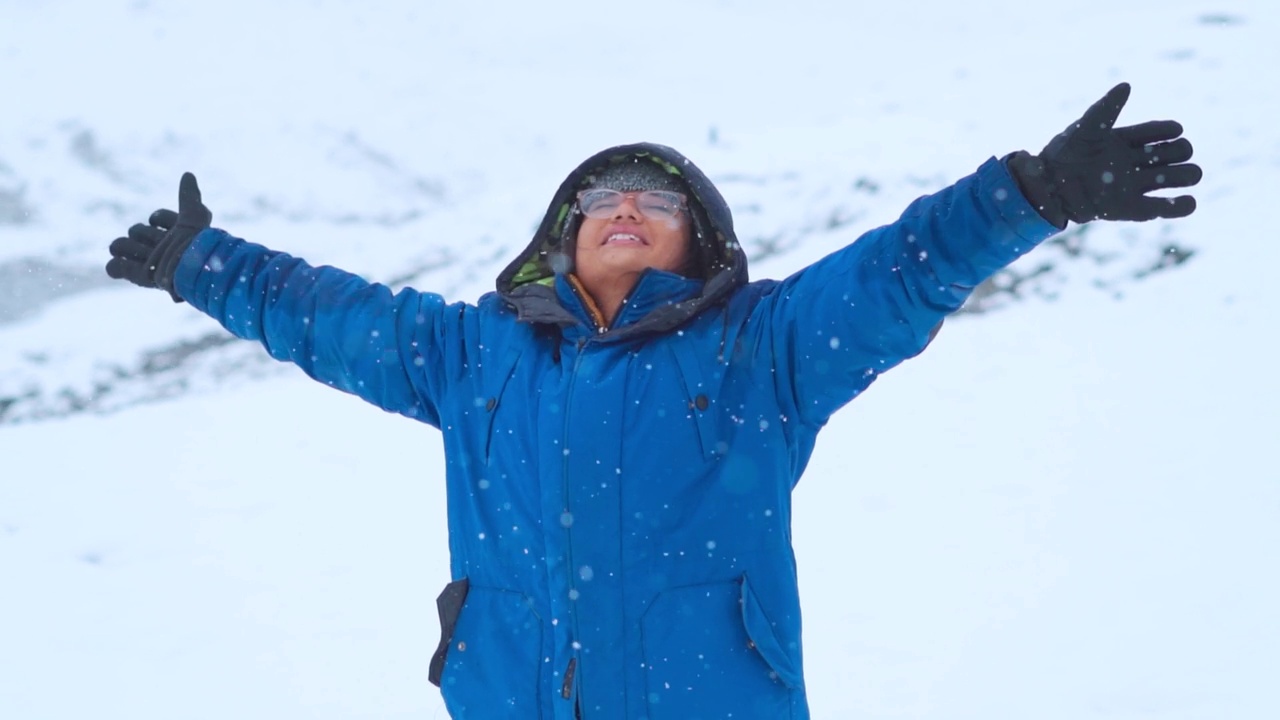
[836, 325]
[341, 330]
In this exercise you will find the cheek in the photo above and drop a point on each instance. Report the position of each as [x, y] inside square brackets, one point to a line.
[672, 225]
[673, 253]
[674, 235]
[678, 239]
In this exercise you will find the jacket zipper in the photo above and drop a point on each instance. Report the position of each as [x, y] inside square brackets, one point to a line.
[601, 327]
[566, 689]
[593, 311]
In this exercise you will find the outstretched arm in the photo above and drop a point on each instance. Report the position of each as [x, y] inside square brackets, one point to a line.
[341, 330]
[836, 325]
[833, 327]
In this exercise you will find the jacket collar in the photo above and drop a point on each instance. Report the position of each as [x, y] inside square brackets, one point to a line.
[654, 289]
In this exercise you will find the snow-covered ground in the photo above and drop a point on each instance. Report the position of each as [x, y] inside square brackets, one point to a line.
[1067, 508]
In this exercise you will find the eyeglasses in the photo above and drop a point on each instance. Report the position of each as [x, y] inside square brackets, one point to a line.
[600, 203]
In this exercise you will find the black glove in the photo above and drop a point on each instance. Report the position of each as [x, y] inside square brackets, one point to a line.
[149, 255]
[1094, 170]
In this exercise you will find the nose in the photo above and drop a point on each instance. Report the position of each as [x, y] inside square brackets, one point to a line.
[627, 209]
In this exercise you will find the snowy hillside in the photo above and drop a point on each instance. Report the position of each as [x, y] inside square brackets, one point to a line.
[1066, 508]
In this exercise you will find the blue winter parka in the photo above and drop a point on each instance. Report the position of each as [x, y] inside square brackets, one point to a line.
[619, 498]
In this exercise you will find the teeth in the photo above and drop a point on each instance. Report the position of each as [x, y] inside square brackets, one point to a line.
[624, 236]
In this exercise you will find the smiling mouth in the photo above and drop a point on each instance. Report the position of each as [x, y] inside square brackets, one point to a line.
[624, 239]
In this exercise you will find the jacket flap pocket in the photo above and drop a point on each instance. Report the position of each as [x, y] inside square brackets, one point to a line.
[496, 377]
[493, 662]
[493, 386]
[760, 630]
[702, 380]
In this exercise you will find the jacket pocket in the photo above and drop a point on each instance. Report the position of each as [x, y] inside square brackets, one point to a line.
[489, 667]
[491, 400]
[702, 660]
[702, 389]
[781, 659]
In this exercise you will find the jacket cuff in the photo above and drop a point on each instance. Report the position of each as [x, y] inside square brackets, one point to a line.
[1032, 177]
[197, 258]
[1019, 226]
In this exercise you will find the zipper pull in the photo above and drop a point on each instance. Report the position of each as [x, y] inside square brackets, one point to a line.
[566, 690]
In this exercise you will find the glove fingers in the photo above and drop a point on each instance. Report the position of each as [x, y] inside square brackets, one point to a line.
[116, 268]
[146, 234]
[1104, 113]
[190, 207]
[1150, 132]
[188, 191]
[1168, 153]
[1175, 176]
[130, 250]
[134, 272]
[1164, 207]
[163, 219]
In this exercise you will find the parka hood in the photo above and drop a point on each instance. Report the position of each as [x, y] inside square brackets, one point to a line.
[528, 283]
